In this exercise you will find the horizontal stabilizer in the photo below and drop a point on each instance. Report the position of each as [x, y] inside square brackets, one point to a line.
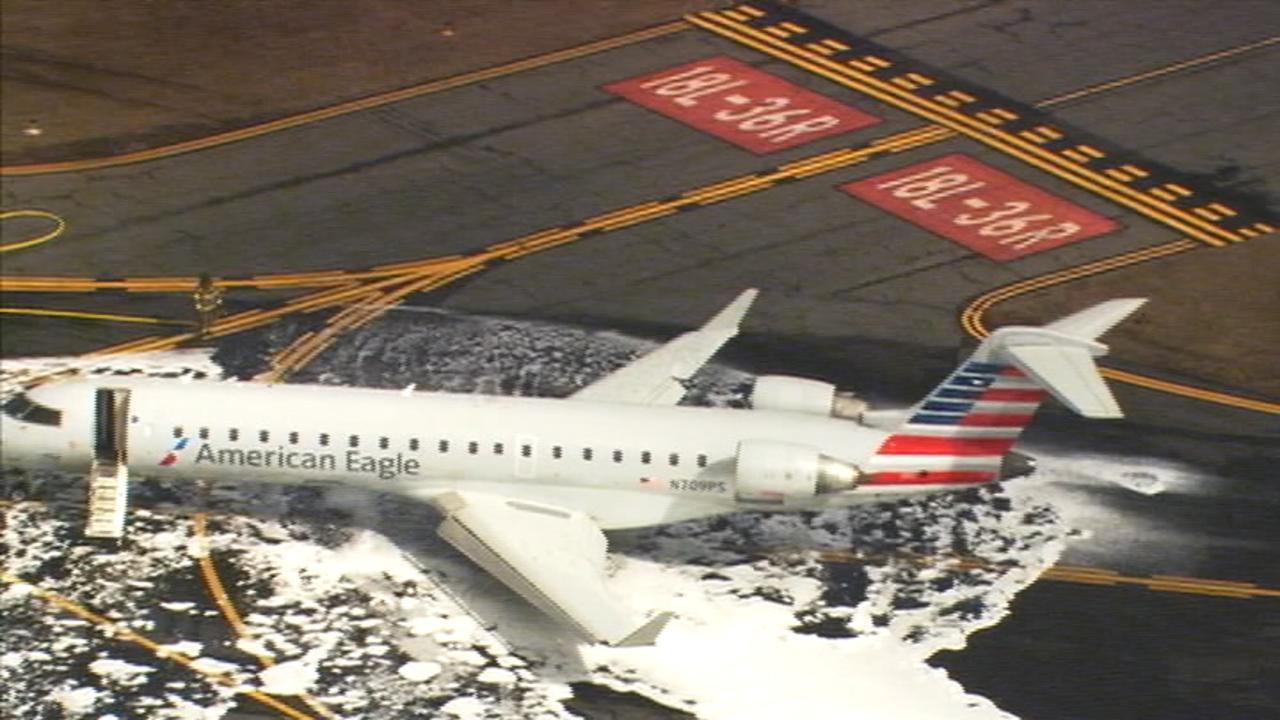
[1069, 373]
[1092, 322]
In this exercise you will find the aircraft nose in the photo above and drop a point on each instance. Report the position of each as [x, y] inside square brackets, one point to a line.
[1015, 465]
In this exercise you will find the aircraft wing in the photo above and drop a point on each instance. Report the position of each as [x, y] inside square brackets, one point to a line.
[553, 557]
[658, 377]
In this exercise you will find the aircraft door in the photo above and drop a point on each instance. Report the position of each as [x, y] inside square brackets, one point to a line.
[110, 426]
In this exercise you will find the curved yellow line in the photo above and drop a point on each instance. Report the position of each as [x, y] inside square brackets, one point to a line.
[345, 108]
[971, 319]
[213, 582]
[59, 225]
[84, 315]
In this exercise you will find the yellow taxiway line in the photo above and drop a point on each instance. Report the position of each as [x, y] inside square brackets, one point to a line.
[1070, 573]
[347, 108]
[85, 315]
[59, 226]
[971, 319]
[116, 630]
[213, 583]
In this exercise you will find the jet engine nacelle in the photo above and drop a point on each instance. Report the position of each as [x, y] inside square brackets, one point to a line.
[778, 472]
[796, 394]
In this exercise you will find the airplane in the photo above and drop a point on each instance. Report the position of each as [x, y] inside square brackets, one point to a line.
[527, 485]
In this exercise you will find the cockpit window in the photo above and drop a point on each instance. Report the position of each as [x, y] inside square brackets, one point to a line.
[21, 407]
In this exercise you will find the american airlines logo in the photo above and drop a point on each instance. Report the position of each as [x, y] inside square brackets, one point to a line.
[172, 457]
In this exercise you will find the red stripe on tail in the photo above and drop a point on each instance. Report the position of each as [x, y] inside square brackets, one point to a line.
[1007, 395]
[932, 477]
[995, 420]
[927, 445]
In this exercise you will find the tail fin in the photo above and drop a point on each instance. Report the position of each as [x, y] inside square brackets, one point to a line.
[961, 431]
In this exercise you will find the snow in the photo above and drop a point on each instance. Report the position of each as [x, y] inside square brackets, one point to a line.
[729, 658]
[75, 702]
[288, 678]
[120, 672]
[189, 648]
[419, 671]
[466, 708]
[496, 676]
[214, 667]
[17, 591]
[184, 710]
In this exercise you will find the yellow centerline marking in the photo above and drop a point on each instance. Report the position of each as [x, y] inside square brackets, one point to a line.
[971, 319]
[347, 108]
[213, 582]
[1162, 71]
[1063, 573]
[59, 225]
[120, 632]
[86, 315]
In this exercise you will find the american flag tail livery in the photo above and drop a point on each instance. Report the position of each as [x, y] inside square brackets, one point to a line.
[962, 432]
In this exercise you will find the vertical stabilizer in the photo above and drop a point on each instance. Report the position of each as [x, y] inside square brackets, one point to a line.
[961, 432]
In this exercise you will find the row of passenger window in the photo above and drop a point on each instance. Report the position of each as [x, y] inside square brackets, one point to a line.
[442, 446]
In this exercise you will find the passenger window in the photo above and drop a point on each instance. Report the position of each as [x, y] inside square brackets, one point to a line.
[233, 434]
[353, 441]
[264, 436]
[473, 447]
[413, 444]
[646, 457]
[702, 460]
[617, 456]
[177, 432]
[557, 452]
[324, 439]
[673, 459]
[203, 433]
[497, 448]
[293, 437]
[586, 453]
[383, 443]
[443, 446]
[526, 451]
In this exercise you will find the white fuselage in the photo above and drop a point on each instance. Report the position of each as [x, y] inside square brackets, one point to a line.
[625, 465]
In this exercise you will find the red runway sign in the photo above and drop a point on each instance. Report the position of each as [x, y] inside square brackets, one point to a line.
[736, 102]
[980, 207]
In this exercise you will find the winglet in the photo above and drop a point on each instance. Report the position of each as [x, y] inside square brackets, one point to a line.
[647, 633]
[658, 378]
[731, 316]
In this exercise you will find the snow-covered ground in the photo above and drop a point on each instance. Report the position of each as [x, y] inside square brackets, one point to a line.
[362, 607]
